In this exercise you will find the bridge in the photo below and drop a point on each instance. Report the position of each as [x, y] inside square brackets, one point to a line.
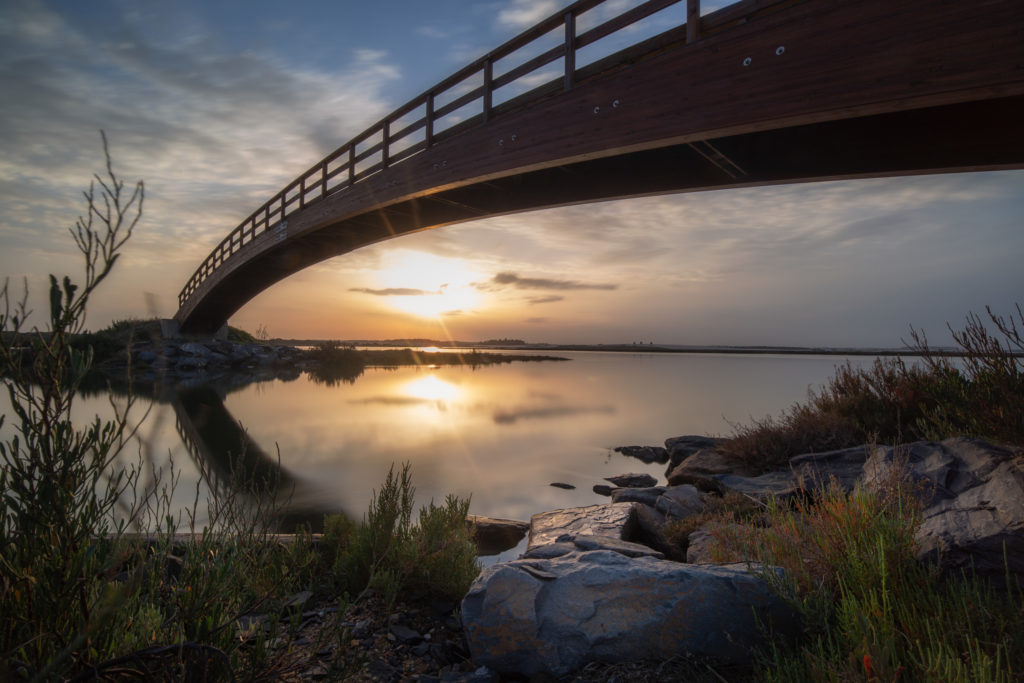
[759, 92]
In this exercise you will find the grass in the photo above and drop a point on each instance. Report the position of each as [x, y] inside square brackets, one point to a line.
[871, 610]
[82, 598]
[977, 391]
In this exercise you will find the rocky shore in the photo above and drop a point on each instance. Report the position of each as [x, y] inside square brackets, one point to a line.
[601, 585]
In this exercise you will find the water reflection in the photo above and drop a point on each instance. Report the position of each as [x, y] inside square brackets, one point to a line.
[232, 462]
[499, 434]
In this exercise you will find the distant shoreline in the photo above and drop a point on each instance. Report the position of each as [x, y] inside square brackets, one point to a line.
[626, 348]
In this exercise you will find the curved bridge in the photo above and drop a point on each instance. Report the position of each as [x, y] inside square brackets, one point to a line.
[760, 92]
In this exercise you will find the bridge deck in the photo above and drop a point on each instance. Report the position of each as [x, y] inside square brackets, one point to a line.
[764, 92]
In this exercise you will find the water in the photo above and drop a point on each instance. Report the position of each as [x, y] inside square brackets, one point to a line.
[500, 434]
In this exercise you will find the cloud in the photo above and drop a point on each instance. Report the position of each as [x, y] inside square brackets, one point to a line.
[509, 279]
[520, 14]
[392, 291]
[534, 300]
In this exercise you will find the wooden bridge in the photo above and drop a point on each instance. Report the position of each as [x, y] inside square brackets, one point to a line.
[760, 92]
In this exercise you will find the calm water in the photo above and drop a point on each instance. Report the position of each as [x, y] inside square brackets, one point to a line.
[501, 434]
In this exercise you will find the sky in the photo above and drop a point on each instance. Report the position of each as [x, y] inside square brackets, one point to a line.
[217, 104]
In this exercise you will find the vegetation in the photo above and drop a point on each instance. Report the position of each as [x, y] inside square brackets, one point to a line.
[979, 391]
[871, 610]
[83, 598]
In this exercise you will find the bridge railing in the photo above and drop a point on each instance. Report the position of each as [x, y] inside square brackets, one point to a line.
[467, 98]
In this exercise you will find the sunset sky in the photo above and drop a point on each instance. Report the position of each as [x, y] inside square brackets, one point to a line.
[218, 104]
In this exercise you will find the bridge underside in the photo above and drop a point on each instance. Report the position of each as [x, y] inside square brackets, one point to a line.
[813, 90]
[977, 136]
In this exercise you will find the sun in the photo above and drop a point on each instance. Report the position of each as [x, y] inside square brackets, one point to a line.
[436, 284]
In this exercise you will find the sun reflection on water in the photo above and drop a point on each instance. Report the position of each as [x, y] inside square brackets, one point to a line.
[431, 388]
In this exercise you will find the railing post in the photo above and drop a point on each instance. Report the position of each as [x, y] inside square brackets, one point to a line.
[692, 21]
[302, 193]
[384, 141]
[488, 79]
[570, 49]
[430, 120]
[323, 179]
[351, 163]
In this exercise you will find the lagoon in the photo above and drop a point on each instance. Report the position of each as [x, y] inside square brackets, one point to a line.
[500, 434]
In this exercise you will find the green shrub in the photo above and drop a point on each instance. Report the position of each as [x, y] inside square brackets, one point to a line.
[977, 391]
[871, 610]
[388, 554]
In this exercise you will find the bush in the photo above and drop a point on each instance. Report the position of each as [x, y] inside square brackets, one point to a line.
[389, 554]
[871, 610]
[976, 391]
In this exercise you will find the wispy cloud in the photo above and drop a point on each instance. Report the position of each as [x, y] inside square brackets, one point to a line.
[534, 300]
[520, 14]
[507, 279]
[392, 291]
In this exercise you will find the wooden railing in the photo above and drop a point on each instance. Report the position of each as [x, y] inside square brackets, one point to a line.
[441, 111]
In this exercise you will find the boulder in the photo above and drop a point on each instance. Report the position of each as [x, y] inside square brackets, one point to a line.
[633, 480]
[680, 502]
[844, 466]
[552, 616]
[681, 447]
[649, 529]
[492, 535]
[973, 497]
[781, 484]
[702, 463]
[613, 519]
[646, 454]
[647, 496]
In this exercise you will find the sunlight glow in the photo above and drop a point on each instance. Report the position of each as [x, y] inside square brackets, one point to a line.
[431, 388]
[444, 285]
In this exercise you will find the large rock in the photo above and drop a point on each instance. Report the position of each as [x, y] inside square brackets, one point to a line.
[553, 616]
[681, 447]
[633, 480]
[680, 502]
[647, 496]
[492, 535]
[614, 520]
[844, 467]
[973, 497]
[646, 454]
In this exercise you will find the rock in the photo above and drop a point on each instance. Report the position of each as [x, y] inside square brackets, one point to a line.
[627, 548]
[782, 484]
[603, 489]
[633, 480]
[973, 498]
[703, 462]
[406, 635]
[604, 606]
[680, 502]
[698, 546]
[681, 447]
[646, 454]
[194, 349]
[649, 529]
[612, 519]
[647, 496]
[493, 536]
[844, 466]
[562, 485]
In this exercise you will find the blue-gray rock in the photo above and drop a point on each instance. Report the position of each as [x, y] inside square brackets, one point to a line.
[681, 447]
[633, 480]
[973, 498]
[646, 454]
[613, 520]
[647, 496]
[680, 502]
[604, 606]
